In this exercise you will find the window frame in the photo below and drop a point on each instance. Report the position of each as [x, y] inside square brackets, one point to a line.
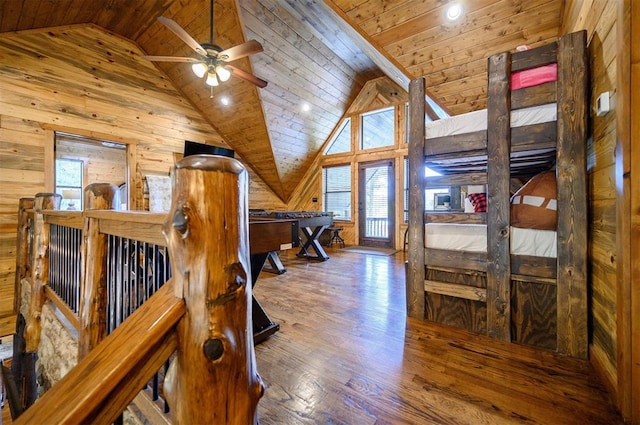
[325, 206]
[363, 115]
[59, 189]
[341, 129]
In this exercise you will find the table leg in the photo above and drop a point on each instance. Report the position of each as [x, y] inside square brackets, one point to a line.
[263, 326]
[276, 265]
[313, 243]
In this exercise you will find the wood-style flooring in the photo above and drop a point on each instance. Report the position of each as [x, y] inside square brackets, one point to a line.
[347, 354]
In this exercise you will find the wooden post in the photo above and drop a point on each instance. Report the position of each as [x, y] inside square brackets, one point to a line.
[214, 377]
[40, 270]
[47, 201]
[573, 101]
[22, 250]
[498, 208]
[39, 278]
[416, 268]
[93, 279]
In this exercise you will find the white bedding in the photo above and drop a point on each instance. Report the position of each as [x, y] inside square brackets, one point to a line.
[473, 237]
[477, 120]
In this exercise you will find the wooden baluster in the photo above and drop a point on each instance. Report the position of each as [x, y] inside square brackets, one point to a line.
[93, 278]
[22, 250]
[214, 377]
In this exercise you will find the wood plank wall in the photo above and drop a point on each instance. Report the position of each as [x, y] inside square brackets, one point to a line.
[101, 164]
[87, 81]
[599, 18]
[376, 94]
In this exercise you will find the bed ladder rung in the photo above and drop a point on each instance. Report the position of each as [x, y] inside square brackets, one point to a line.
[456, 290]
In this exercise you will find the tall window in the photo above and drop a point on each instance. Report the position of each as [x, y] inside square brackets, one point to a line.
[342, 140]
[336, 191]
[378, 129]
[69, 183]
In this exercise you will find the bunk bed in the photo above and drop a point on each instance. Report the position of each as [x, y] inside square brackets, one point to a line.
[535, 121]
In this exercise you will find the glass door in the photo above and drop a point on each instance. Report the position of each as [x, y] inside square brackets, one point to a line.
[376, 204]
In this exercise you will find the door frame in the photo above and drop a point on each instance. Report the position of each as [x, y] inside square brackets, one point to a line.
[388, 242]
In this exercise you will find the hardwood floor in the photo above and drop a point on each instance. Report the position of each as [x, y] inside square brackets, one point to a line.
[347, 354]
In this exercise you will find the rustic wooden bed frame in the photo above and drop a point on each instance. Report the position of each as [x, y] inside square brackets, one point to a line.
[532, 300]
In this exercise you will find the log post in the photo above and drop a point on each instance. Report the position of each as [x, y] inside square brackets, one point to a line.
[40, 264]
[214, 377]
[93, 278]
[22, 250]
[39, 278]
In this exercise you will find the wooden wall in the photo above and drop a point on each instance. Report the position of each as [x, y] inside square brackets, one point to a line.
[376, 94]
[599, 18]
[101, 164]
[86, 81]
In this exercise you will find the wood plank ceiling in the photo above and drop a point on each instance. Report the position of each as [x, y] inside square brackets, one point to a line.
[318, 53]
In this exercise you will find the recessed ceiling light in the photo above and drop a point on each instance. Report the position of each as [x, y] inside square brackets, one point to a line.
[454, 11]
[224, 100]
[306, 107]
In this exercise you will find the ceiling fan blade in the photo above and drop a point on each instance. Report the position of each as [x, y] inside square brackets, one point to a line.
[247, 77]
[170, 59]
[182, 34]
[240, 51]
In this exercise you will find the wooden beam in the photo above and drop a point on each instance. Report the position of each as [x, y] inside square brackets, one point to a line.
[455, 290]
[498, 208]
[416, 257]
[571, 167]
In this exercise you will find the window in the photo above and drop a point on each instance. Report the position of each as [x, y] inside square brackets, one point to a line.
[342, 140]
[378, 129]
[429, 194]
[336, 191]
[69, 183]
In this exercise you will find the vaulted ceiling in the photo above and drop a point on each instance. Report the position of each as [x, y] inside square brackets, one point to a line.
[318, 54]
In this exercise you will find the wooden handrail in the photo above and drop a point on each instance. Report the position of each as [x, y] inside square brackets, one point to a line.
[103, 383]
[208, 240]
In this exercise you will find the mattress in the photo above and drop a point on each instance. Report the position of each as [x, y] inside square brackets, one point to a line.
[473, 237]
[477, 120]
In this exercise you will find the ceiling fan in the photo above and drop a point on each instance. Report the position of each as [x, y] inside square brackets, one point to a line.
[212, 61]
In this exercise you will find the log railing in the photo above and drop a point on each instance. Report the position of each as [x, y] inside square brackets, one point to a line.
[207, 238]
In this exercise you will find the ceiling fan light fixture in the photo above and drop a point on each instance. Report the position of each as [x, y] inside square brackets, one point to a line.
[199, 68]
[223, 73]
[211, 80]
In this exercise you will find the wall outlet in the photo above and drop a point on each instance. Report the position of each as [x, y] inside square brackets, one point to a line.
[602, 104]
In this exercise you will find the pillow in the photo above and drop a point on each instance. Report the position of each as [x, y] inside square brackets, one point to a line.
[479, 201]
[534, 205]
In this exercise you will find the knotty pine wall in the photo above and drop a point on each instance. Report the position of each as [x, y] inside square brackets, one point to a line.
[376, 94]
[599, 18]
[101, 164]
[84, 80]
